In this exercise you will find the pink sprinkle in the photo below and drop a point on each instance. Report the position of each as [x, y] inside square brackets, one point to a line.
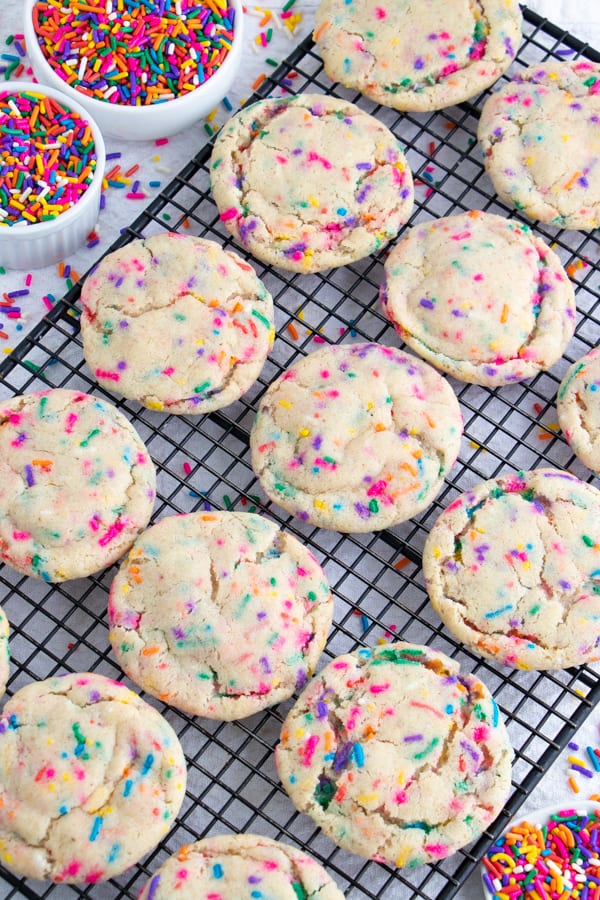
[318, 339]
[161, 141]
[379, 688]
[309, 749]
[103, 373]
[71, 419]
[135, 195]
[228, 214]
[187, 468]
[380, 12]
[28, 279]
[21, 535]
[112, 532]
[47, 302]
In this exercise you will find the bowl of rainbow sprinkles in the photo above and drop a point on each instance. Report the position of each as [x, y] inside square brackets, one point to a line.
[144, 69]
[52, 161]
[548, 854]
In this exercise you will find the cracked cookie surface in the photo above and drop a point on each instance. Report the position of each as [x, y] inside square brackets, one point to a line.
[91, 778]
[177, 323]
[578, 408]
[417, 56]
[310, 182]
[241, 867]
[77, 484]
[512, 568]
[540, 137]
[219, 614]
[396, 755]
[356, 437]
[479, 297]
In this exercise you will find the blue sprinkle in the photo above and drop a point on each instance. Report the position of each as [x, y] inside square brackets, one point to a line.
[96, 828]
[148, 763]
[498, 612]
[359, 755]
[217, 870]
[127, 788]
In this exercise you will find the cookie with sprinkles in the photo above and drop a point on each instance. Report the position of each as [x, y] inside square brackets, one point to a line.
[240, 867]
[77, 484]
[539, 138]
[219, 614]
[91, 779]
[310, 182]
[356, 437]
[417, 56]
[512, 569]
[397, 755]
[177, 323]
[578, 408]
[480, 297]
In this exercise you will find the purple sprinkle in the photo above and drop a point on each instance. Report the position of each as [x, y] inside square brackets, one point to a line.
[428, 304]
[419, 62]
[153, 887]
[342, 756]
[265, 665]
[29, 477]
[362, 194]
[364, 167]
[321, 710]
[411, 738]
[566, 586]
[363, 511]
[473, 753]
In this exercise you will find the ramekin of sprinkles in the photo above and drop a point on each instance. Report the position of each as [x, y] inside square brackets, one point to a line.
[52, 161]
[550, 854]
[144, 69]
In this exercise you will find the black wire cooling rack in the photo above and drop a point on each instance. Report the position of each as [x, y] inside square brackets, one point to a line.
[376, 578]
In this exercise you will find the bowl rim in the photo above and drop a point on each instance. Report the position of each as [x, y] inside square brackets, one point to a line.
[538, 816]
[38, 229]
[138, 112]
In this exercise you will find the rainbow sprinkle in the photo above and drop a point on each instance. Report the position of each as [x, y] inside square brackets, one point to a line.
[132, 52]
[560, 859]
[47, 158]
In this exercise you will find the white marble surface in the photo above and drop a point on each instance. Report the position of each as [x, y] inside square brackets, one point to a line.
[582, 17]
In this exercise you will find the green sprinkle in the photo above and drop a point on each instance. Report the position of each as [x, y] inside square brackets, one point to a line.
[373, 506]
[426, 750]
[588, 541]
[201, 387]
[227, 502]
[296, 886]
[92, 434]
[262, 318]
[271, 62]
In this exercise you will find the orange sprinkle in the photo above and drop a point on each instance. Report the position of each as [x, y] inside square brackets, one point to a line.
[259, 81]
[319, 31]
[150, 651]
[573, 785]
[571, 270]
[545, 436]
[293, 331]
[504, 315]
[401, 563]
[61, 269]
[569, 184]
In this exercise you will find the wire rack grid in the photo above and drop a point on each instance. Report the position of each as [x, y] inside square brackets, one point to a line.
[376, 578]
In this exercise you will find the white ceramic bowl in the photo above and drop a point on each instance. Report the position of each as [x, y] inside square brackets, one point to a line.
[144, 122]
[42, 243]
[540, 817]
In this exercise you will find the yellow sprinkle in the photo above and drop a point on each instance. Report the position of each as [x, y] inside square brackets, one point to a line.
[319, 504]
[286, 404]
[155, 404]
[313, 200]
[304, 432]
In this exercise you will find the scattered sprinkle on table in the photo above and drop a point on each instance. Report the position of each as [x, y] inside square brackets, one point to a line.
[132, 52]
[47, 157]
